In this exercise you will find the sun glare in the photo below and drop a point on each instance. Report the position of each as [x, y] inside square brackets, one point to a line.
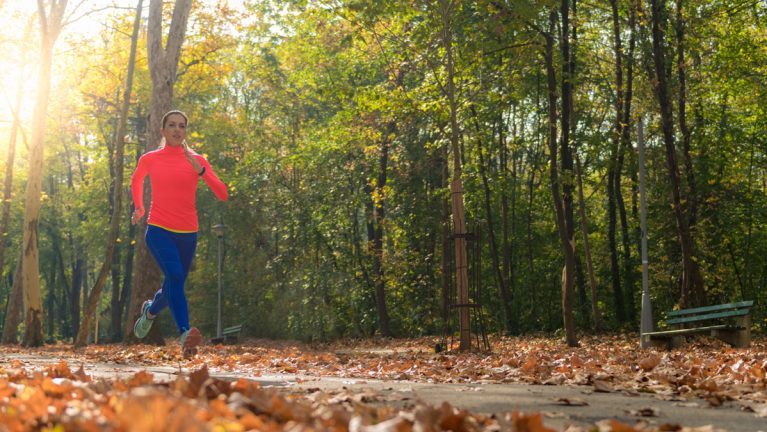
[19, 41]
[19, 37]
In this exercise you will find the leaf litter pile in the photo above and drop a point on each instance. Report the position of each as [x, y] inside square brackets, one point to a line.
[56, 397]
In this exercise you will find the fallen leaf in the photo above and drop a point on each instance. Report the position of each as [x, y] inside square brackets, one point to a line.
[649, 363]
[571, 401]
[602, 386]
[644, 412]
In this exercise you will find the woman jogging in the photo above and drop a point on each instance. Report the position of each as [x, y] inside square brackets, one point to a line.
[171, 235]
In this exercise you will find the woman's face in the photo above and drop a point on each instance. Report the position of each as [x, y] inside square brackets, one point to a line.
[174, 130]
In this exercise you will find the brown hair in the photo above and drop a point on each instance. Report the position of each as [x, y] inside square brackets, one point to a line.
[170, 113]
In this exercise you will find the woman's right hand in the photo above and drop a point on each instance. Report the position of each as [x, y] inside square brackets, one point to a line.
[137, 215]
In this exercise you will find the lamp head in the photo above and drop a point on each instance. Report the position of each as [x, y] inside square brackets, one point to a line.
[218, 230]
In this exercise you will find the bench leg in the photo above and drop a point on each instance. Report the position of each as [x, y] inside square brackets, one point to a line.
[736, 338]
[657, 342]
[744, 336]
[676, 342]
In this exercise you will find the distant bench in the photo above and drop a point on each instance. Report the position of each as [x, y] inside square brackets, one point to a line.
[229, 335]
[729, 322]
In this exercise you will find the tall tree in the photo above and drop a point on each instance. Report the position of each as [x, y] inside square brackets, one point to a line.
[163, 68]
[12, 317]
[446, 11]
[117, 189]
[596, 315]
[567, 170]
[692, 292]
[376, 229]
[51, 23]
[557, 179]
[500, 275]
[15, 304]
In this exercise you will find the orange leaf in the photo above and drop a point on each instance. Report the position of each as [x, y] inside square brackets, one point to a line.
[649, 363]
[528, 423]
[140, 378]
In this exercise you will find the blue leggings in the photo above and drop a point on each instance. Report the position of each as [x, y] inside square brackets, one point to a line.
[173, 252]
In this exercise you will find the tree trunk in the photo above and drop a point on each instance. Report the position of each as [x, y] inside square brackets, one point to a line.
[531, 187]
[446, 261]
[78, 270]
[376, 229]
[15, 303]
[50, 27]
[692, 192]
[509, 270]
[125, 292]
[628, 263]
[114, 226]
[580, 280]
[595, 314]
[692, 292]
[565, 180]
[456, 187]
[568, 244]
[115, 305]
[500, 277]
[8, 183]
[163, 66]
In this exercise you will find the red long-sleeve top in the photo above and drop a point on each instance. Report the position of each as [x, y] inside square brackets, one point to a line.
[174, 187]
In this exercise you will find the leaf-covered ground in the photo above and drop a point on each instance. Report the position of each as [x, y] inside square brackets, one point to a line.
[58, 398]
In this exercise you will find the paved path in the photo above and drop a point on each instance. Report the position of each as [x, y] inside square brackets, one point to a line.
[589, 406]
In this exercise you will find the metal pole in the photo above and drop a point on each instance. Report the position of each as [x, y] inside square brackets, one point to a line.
[646, 324]
[218, 319]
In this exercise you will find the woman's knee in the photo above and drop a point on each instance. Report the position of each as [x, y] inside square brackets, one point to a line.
[175, 277]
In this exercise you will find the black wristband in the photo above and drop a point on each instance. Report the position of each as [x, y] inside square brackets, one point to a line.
[202, 172]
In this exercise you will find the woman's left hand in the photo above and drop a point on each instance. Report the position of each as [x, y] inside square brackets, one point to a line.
[192, 160]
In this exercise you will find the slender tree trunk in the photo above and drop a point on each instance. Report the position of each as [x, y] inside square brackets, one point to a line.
[565, 180]
[692, 195]
[509, 271]
[50, 26]
[621, 144]
[626, 126]
[692, 293]
[115, 316]
[628, 268]
[529, 237]
[50, 299]
[78, 269]
[580, 280]
[376, 229]
[114, 226]
[64, 311]
[612, 223]
[8, 183]
[558, 197]
[13, 311]
[163, 66]
[125, 292]
[595, 314]
[446, 260]
[459, 214]
[506, 300]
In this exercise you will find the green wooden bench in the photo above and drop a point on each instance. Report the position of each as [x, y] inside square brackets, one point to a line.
[729, 322]
[229, 335]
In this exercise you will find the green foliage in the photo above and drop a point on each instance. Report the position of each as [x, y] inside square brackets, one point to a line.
[293, 103]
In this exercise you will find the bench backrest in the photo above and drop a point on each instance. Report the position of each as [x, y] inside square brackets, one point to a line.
[710, 312]
[233, 329]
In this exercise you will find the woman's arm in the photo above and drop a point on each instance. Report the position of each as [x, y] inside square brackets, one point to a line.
[214, 183]
[137, 189]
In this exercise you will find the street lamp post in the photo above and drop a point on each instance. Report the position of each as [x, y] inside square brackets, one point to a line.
[218, 230]
[646, 324]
